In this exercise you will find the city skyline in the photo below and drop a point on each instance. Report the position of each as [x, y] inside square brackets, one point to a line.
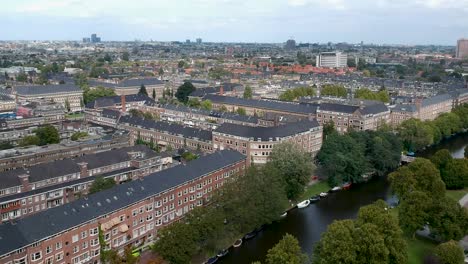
[380, 22]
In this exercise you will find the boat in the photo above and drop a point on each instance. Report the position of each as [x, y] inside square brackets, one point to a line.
[250, 235]
[346, 186]
[336, 188]
[284, 214]
[238, 243]
[314, 199]
[222, 253]
[324, 194]
[212, 260]
[303, 204]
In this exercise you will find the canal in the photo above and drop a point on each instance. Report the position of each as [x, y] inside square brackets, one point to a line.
[309, 223]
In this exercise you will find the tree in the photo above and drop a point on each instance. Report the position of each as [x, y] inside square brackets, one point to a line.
[455, 174]
[125, 56]
[78, 135]
[181, 64]
[367, 94]
[248, 92]
[161, 71]
[206, 104]
[143, 90]
[294, 165]
[29, 141]
[293, 94]
[449, 253]
[448, 220]
[413, 212]
[184, 91]
[100, 184]
[107, 58]
[47, 134]
[415, 134]
[241, 111]
[154, 94]
[328, 128]
[5, 145]
[337, 244]
[90, 95]
[333, 90]
[194, 102]
[67, 105]
[441, 158]
[22, 77]
[286, 251]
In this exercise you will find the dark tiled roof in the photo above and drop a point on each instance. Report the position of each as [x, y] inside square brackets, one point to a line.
[225, 115]
[304, 109]
[47, 89]
[10, 178]
[110, 101]
[373, 109]
[405, 108]
[55, 220]
[109, 113]
[138, 82]
[436, 99]
[171, 128]
[94, 83]
[265, 133]
[340, 108]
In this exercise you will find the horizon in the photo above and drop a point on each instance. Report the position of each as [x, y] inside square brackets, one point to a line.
[410, 23]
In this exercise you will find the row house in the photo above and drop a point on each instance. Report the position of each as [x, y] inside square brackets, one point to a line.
[122, 103]
[132, 86]
[105, 117]
[259, 108]
[44, 186]
[7, 103]
[258, 142]
[128, 215]
[197, 117]
[64, 94]
[165, 134]
[347, 117]
[25, 157]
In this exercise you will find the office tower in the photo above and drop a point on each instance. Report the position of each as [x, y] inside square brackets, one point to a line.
[462, 48]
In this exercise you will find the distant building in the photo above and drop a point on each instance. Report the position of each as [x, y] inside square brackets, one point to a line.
[290, 44]
[95, 38]
[187, 41]
[199, 41]
[332, 60]
[86, 40]
[462, 48]
[63, 94]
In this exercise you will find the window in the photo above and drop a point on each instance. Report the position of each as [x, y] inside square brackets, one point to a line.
[106, 236]
[84, 245]
[122, 218]
[58, 245]
[76, 249]
[49, 260]
[94, 242]
[48, 249]
[75, 238]
[134, 212]
[114, 231]
[84, 234]
[36, 256]
[93, 232]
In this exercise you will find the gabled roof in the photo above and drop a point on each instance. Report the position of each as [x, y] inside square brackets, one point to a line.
[267, 133]
[224, 115]
[436, 99]
[304, 109]
[340, 108]
[47, 89]
[171, 128]
[110, 101]
[55, 220]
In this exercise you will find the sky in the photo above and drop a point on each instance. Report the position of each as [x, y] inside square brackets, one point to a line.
[409, 22]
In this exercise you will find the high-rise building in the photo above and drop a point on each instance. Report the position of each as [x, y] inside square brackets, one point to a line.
[462, 48]
[187, 41]
[334, 59]
[199, 41]
[95, 38]
[290, 44]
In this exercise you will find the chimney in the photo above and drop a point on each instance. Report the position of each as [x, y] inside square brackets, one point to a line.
[24, 179]
[123, 103]
[83, 169]
[221, 90]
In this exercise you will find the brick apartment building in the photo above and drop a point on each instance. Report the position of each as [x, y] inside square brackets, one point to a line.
[167, 134]
[19, 158]
[26, 191]
[129, 214]
[362, 117]
[258, 142]
[61, 94]
[132, 86]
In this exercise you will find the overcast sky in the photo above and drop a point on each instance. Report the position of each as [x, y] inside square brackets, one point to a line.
[372, 21]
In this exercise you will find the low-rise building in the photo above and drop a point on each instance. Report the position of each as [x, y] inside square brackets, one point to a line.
[132, 86]
[127, 215]
[68, 95]
[258, 142]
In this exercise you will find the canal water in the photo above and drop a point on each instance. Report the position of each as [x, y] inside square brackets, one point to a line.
[309, 223]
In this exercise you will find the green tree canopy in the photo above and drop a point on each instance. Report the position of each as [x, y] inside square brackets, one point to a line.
[206, 104]
[100, 184]
[455, 174]
[29, 141]
[241, 111]
[248, 92]
[333, 90]
[364, 93]
[184, 91]
[294, 165]
[286, 251]
[449, 253]
[47, 134]
[415, 134]
[293, 94]
[125, 56]
[90, 95]
[143, 90]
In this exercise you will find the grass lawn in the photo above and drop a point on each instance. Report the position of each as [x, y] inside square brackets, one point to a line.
[314, 189]
[456, 194]
[77, 115]
[418, 249]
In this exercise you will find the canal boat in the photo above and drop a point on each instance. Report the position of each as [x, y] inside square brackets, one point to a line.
[238, 243]
[314, 199]
[336, 188]
[222, 253]
[284, 214]
[212, 260]
[303, 204]
[324, 194]
[250, 235]
[346, 186]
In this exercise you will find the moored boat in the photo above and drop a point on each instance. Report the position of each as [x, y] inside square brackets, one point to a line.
[324, 194]
[346, 186]
[238, 243]
[212, 260]
[303, 204]
[336, 188]
[284, 214]
[250, 235]
[222, 253]
[314, 199]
